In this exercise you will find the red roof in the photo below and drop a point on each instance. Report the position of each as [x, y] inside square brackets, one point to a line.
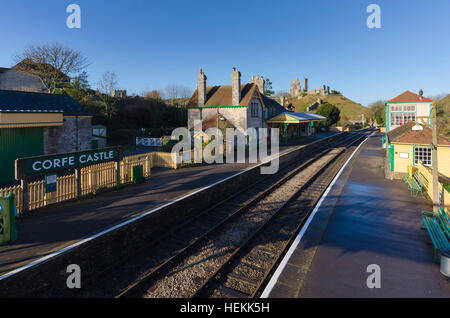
[409, 97]
[405, 135]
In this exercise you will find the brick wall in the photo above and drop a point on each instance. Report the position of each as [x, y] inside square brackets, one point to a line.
[63, 139]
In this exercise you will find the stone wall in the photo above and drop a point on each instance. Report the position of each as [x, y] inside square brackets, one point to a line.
[63, 139]
[193, 114]
[295, 88]
[255, 122]
[237, 116]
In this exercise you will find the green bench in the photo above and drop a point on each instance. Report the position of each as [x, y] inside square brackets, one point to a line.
[433, 222]
[443, 218]
[415, 184]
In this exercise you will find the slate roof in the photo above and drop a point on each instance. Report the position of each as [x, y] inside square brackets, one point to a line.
[29, 102]
[409, 97]
[269, 102]
[305, 116]
[405, 135]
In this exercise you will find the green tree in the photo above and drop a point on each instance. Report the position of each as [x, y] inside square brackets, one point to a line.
[378, 111]
[81, 81]
[331, 112]
[268, 88]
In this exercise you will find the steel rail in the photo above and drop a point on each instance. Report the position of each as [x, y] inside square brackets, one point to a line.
[146, 276]
[232, 258]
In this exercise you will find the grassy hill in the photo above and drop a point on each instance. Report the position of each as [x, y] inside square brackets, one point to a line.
[348, 108]
[444, 104]
[443, 115]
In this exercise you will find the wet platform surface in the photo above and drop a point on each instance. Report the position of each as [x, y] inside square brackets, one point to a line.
[365, 219]
[53, 228]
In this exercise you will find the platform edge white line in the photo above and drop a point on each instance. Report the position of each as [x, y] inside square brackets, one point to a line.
[279, 270]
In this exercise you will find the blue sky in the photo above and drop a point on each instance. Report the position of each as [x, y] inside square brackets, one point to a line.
[150, 44]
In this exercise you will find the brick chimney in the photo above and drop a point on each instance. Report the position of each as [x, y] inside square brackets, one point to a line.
[236, 87]
[201, 87]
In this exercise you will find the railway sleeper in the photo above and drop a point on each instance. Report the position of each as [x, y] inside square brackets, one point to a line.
[231, 293]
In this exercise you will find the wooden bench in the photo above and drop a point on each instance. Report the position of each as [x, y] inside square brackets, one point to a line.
[443, 218]
[415, 184]
[437, 235]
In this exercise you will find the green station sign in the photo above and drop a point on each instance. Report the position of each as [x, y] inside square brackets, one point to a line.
[26, 167]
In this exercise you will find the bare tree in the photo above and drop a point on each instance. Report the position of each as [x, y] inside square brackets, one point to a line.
[174, 91]
[108, 83]
[186, 92]
[105, 86]
[52, 63]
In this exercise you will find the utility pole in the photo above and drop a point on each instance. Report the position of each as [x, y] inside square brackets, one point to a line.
[435, 159]
[434, 155]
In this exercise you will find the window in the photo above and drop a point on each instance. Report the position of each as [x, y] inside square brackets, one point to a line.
[254, 109]
[410, 108]
[401, 115]
[422, 154]
[397, 119]
[407, 117]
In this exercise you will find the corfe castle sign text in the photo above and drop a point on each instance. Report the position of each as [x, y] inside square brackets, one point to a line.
[26, 167]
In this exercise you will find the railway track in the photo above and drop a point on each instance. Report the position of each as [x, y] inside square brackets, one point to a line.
[248, 269]
[137, 275]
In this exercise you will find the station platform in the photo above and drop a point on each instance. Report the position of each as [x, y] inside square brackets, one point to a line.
[54, 228]
[364, 219]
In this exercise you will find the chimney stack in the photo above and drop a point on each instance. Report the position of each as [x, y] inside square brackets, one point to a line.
[421, 94]
[305, 84]
[260, 83]
[201, 88]
[236, 87]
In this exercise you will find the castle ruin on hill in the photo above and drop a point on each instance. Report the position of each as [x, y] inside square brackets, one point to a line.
[297, 91]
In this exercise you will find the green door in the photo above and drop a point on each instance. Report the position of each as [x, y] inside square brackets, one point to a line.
[391, 156]
[18, 143]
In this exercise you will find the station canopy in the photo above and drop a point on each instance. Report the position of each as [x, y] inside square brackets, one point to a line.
[295, 118]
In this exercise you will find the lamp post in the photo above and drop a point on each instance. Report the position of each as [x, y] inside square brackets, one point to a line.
[434, 159]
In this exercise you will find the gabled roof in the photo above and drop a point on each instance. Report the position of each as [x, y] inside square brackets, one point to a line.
[29, 102]
[292, 117]
[222, 95]
[269, 102]
[409, 97]
[405, 135]
[30, 67]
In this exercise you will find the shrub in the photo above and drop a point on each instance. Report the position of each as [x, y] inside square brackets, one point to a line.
[331, 112]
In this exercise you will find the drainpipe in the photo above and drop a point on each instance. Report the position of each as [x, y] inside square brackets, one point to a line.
[76, 134]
